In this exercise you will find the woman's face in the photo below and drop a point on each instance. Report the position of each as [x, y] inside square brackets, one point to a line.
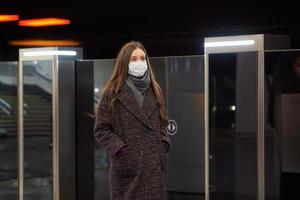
[137, 55]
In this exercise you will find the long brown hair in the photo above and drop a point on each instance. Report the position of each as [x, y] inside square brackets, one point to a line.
[120, 73]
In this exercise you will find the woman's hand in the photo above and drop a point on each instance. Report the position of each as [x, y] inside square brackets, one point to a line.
[166, 146]
[123, 151]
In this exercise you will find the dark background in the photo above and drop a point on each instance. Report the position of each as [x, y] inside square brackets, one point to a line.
[165, 27]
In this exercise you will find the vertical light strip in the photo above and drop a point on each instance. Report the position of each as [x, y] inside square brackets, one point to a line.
[261, 128]
[20, 132]
[206, 124]
[55, 127]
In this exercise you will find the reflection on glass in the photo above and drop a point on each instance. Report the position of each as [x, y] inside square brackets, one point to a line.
[8, 131]
[233, 126]
[37, 130]
[282, 135]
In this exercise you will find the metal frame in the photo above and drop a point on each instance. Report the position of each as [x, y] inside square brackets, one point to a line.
[55, 114]
[206, 124]
[55, 126]
[258, 47]
[261, 125]
[20, 133]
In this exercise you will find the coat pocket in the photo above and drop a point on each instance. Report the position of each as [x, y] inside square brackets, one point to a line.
[126, 165]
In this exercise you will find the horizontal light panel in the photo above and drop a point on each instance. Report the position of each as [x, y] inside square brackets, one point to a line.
[44, 22]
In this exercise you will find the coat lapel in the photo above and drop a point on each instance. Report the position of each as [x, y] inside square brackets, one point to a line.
[128, 99]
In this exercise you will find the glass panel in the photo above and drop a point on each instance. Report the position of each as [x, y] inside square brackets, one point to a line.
[102, 71]
[185, 102]
[233, 126]
[282, 135]
[37, 130]
[8, 131]
[182, 80]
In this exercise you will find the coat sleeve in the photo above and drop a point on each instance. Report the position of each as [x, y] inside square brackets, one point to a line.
[104, 130]
[164, 136]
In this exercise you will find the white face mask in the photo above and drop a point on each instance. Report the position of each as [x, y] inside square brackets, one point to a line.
[137, 68]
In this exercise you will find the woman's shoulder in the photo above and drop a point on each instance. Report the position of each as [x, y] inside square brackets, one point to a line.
[104, 96]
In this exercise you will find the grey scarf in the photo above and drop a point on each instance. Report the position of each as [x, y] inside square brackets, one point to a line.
[138, 85]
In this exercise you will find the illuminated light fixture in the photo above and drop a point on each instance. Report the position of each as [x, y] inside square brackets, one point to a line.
[233, 108]
[229, 43]
[49, 53]
[9, 18]
[44, 22]
[43, 43]
[97, 90]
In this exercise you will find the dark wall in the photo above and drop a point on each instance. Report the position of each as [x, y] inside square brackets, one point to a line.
[166, 27]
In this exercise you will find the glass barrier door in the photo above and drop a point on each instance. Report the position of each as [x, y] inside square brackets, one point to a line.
[8, 131]
[233, 126]
[38, 151]
[46, 123]
[282, 129]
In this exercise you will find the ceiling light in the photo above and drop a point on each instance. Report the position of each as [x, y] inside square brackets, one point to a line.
[229, 43]
[49, 53]
[44, 43]
[44, 22]
[9, 18]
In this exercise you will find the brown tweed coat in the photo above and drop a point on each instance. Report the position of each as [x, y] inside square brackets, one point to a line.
[141, 174]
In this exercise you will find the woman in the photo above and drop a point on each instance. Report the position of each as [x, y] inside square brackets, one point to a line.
[131, 125]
